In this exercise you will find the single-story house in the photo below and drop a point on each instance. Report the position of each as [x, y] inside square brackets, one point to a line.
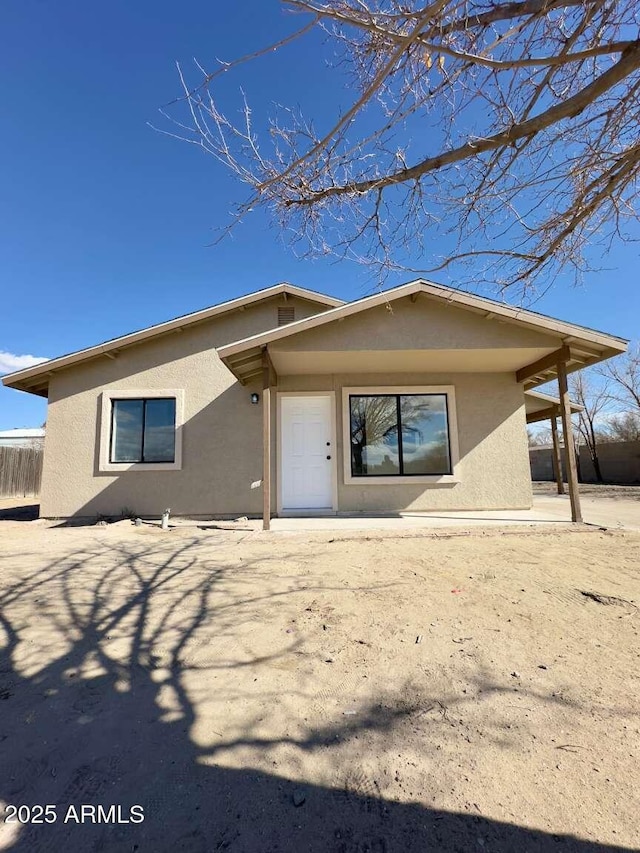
[290, 401]
[22, 437]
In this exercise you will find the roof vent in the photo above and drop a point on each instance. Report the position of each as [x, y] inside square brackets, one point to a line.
[286, 314]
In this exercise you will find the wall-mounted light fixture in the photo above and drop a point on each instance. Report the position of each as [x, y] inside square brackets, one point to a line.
[255, 398]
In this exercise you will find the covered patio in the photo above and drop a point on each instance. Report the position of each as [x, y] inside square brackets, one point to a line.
[541, 407]
[484, 338]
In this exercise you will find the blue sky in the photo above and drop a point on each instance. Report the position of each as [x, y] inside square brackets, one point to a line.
[106, 225]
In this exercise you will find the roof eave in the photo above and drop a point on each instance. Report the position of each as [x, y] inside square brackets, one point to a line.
[550, 410]
[21, 380]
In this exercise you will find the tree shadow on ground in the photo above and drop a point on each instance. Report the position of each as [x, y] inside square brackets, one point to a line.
[105, 717]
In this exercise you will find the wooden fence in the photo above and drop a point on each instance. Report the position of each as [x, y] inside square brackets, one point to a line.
[20, 471]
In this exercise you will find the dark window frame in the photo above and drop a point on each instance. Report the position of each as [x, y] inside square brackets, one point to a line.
[142, 460]
[398, 395]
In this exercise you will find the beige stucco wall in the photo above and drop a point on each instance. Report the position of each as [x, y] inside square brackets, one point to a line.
[493, 471]
[222, 432]
[425, 324]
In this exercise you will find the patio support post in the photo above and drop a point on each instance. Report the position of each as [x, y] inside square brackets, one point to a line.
[268, 377]
[569, 446]
[557, 456]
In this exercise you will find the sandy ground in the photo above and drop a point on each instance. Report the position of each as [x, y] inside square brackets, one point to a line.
[592, 490]
[266, 692]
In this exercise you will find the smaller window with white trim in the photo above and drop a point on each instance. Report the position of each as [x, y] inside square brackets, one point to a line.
[143, 430]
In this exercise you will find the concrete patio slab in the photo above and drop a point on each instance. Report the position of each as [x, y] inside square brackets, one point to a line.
[621, 513]
[417, 520]
[618, 512]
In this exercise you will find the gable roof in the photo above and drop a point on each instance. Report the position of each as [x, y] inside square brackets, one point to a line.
[35, 379]
[588, 346]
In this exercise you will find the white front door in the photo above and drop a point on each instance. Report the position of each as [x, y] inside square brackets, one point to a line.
[307, 453]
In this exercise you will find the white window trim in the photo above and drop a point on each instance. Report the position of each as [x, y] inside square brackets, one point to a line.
[105, 465]
[449, 390]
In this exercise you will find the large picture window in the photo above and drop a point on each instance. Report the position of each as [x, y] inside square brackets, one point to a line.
[143, 430]
[399, 435]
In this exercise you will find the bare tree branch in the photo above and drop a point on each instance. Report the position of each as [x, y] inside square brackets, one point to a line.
[496, 141]
[594, 399]
[623, 377]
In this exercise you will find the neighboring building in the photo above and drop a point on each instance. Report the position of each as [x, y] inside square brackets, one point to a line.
[410, 399]
[33, 437]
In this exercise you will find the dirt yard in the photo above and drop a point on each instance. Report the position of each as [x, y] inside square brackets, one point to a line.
[601, 491]
[353, 694]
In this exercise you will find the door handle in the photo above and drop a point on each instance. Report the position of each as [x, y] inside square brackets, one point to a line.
[328, 457]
